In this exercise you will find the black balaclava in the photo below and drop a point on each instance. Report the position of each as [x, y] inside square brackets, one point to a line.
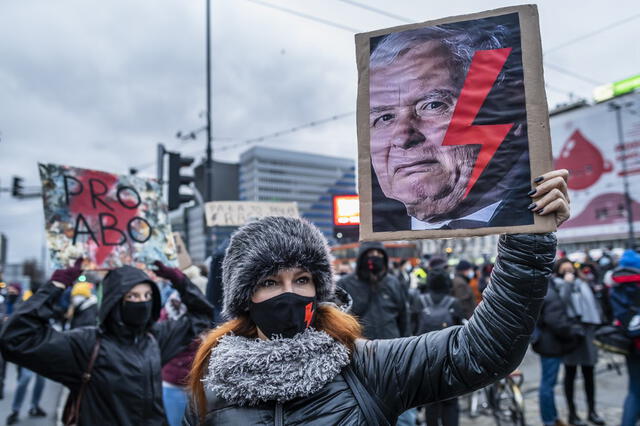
[284, 315]
[136, 314]
[372, 268]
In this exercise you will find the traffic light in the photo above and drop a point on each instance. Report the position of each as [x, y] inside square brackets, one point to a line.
[17, 188]
[176, 180]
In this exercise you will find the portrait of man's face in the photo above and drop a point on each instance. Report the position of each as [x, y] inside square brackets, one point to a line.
[412, 99]
[427, 173]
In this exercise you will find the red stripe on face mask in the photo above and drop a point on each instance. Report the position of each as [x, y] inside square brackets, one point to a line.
[308, 313]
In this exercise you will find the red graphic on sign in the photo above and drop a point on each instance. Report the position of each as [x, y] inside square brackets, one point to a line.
[100, 214]
[583, 160]
[483, 72]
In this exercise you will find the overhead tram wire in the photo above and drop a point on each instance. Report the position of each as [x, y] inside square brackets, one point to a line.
[264, 137]
[572, 74]
[552, 66]
[592, 33]
[305, 16]
[378, 11]
[285, 132]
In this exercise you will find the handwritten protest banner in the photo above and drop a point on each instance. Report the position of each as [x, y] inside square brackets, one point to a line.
[448, 143]
[110, 220]
[237, 213]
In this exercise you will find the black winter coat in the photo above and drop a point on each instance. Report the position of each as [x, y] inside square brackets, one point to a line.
[126, 383]
[381, 307]
[556, 334]
[408, 372]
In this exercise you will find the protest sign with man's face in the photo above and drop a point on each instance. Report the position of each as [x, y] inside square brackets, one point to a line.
[109, 220]
[448, 143]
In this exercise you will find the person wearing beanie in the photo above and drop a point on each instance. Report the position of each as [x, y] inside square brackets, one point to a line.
[84, 305]
[288, 355]
[461, 288]
[122, 354]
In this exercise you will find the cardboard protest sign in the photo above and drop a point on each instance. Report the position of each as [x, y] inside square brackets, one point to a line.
[184, 259]
[452, 126]
[237, 213]
[110, 220]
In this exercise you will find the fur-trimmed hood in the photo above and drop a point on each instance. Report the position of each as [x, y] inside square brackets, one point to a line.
[263, 247]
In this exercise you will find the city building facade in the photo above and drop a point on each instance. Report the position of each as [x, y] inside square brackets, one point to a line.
[311, 180]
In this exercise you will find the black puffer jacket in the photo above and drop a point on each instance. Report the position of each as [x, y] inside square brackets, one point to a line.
[381, 307]
[126, 383]
[408, 372]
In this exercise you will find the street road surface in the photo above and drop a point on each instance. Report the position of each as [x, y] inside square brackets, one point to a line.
[48, 403]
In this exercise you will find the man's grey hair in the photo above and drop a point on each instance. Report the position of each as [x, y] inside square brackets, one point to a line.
[461, 42]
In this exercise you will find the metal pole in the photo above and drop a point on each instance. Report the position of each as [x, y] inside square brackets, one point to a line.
[160, 163]
[625, 179]
[208, 174]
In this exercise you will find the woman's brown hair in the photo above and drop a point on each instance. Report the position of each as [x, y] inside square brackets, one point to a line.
[341, 326]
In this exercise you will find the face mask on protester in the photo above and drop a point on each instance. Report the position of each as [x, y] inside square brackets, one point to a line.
[12, 298]
[375, 264]
[408, 268]
[470, 274]
[284, 315]
[136, 314]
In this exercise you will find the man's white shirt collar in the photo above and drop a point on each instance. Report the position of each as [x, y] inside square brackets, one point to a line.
[482, 215]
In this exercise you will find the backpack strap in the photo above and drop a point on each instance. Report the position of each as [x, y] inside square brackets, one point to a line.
[73, 417]
[368, 404]
[448, 301]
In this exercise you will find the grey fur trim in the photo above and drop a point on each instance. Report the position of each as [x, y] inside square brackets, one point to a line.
[247, 371]
[263, 247]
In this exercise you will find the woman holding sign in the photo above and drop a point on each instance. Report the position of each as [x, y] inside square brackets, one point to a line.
[288, 355]
[112, 370]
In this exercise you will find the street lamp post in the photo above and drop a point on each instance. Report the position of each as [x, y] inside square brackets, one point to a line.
[625, 179]
[208, 170]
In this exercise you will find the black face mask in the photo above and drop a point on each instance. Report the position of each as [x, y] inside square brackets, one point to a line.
[285, 315]
[136, 314]
[12, 298]
[375, 265]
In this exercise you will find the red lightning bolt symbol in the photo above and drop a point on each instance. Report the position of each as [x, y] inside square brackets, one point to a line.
[308, 313]
[483, 72]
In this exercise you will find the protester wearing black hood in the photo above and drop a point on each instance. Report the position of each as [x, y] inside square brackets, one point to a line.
[125, 385]
[461, 288]
[379, 301]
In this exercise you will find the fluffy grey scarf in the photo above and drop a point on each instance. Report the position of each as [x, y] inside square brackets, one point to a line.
[247, 371]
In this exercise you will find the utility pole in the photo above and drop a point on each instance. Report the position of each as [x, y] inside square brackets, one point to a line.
[625, 179]
[208, 170]
[160, 151]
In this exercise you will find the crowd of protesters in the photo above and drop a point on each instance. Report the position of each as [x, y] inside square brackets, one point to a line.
[287, 341]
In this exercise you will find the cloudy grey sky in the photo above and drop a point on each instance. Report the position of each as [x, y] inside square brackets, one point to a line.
[98, 84]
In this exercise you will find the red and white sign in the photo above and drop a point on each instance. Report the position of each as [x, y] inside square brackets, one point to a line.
[586, 142]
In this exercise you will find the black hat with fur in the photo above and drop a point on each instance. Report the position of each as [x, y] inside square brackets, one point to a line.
[262, 248]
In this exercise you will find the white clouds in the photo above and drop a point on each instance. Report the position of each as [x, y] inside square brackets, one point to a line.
[98, 83]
